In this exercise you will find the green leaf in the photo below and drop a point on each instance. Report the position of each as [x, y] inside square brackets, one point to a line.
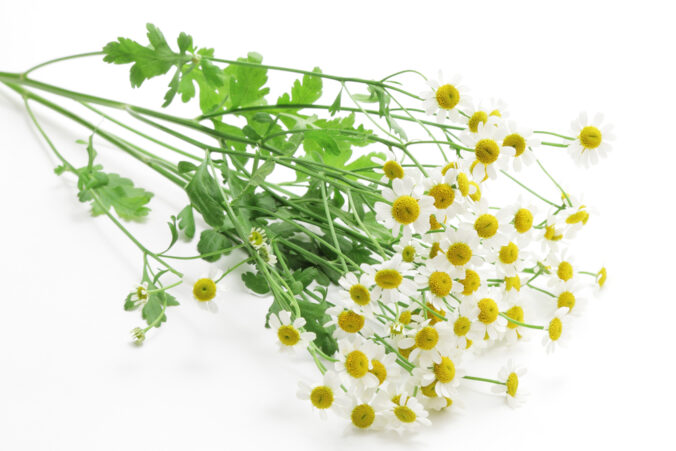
[315, 318]
[247, 83]
[256, 282]
[149, 61]
[186, 166]
[206, 197]
[335, 106]
[118, 192]
[262, 172]
[212, 241]
[152, 310]
[186, 221]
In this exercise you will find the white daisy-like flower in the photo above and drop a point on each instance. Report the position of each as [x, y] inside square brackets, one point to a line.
[461, 322]
[507, 257]
[462, 248]
[471, 281]
[446, 201]
[553, 236]
[365, 409]
[490, 224]
[321, 396]
[489, 152]
[437, 277]
[384, 366]
[431, 341]
[445, 98]
[257, 237]
[522, 140]
[407, 207]
[266, 253]
[489, 324]
[496, 109]
[392, 170]
[356, 293]
[510, 373]
[445, 373]
[349, 322]
[289, 332]
[411, 251]
[513, 331]
[406, 415]
[592, 139]
[392, 280]
[522, 216]
[354, 363]
[554, 332]
[568, 295]
[140, 296]
[562, 267]
[207, 289]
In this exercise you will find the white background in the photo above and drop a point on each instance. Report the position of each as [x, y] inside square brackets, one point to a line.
[69, 377]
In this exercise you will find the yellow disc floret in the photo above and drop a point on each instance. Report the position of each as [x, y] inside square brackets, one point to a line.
[459, 254]
[480, 117]
[440, 283]
[471, 282]
[288, 335]
[512, 384]
[517, 141]
[393, 170]
[443, 195]
[434, 250]
[427, 338]
[486, 226]
[509, 253]
[408, 254]
[204, 290]
[513, 283]
[444, 371]
[405, 210]
[566, 299]
[555, 329]
[405, 317]
[404, 414]
[447, 97]
[388, 278]
[515, 313]
[378, 370]
[565, 271]
[350, 321]
[363, 416]
[488, 310]
[602, 276]
[463, 183]
[356, 364]
[360, 294]
[321, 397]
[523, 220]
[461, 326]
[487, 151]
[590, 137]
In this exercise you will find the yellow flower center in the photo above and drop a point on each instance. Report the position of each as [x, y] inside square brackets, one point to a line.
[141, 293]
[444, 371]
[480, 117]
[487, 151]
[393, 170]
[321, 397]
[476, 196]
[429, 390]
[509, 253]
[408, 254]
[388, 278]
[579, 216]
[447, 97]
[378, 370]
[256, 238]
[471, 282]
[288, 335]
[433, 318]
[513, 283]
[566, 299]
[488, 310]
[360, 294]
[363, 416]
[350, 321]
[565, 271]
[204, 290]
[404, 414]
[590, 137]
[440, 283]
[451, 165]
[463, 183]
[459, 254]
[516, 313]
[523, 220]
[405, 210]
[512, 384]
[461, 326]
[427, 338]
[602, 276]
[551, 234]
[555, 328]
[357, 364]
[405, 317]
[486, 225]
[434, 250]
[517, 141]
[434, 224]
[443, 195]
[406, 352]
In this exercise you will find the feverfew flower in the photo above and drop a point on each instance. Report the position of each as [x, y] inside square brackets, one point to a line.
[489, 152]
[407, 207]
[592, 139]
[321, 396]
[392, 280]
[206, 290]
[289, 334]
[445, 98]
[554, 330]
[510, 373]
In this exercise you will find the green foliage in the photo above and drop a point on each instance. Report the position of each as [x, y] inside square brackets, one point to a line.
[153, 310]
[186, 221]
[256, 282]
[206, 196]
[212, 241]
[315, 318]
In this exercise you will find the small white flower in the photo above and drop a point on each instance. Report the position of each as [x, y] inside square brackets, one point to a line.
[140, 295]
[445, 374]
[592, 139]
[207, 289]
[522, 140]
[321, 396]
[354, 363]
[511, 374]
[406, 415]
[267, 254]
[392, 280]
[445, 98]
[289, 334]
[489, 152]
[554, 332]
[257, 237]
[462, 248]
[406, 207]
[437, 277]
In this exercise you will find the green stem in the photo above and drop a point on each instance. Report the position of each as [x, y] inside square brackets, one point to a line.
[570, 204]
[483, 379]
[519, 323]
[528, 189]
[332, 231]
[63, 58]
[246, 260]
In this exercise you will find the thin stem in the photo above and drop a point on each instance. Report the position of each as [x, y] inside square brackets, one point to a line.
[570, 204]
[332, 231]
[63, 58]
[483, 379]
[528, 189]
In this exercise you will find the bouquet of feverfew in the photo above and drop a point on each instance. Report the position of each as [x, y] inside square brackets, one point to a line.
[367, 218]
